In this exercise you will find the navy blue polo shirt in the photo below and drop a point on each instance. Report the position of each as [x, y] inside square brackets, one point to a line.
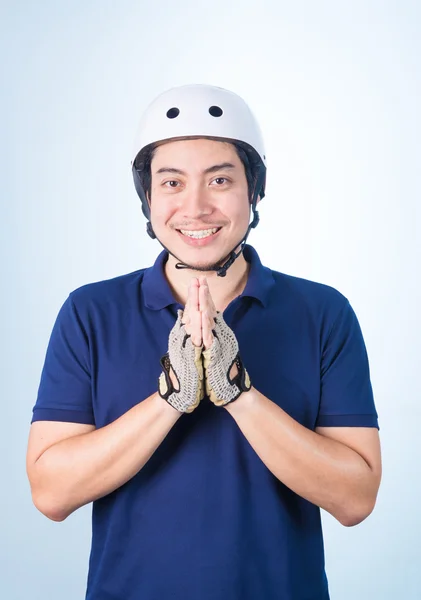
[205, 518]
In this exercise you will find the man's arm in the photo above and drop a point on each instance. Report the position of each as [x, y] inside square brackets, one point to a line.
[69, 465]
[336, 468]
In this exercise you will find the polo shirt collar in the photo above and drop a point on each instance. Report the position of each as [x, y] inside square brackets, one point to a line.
[157, 292]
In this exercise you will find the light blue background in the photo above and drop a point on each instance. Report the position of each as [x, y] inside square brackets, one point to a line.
[336, 87]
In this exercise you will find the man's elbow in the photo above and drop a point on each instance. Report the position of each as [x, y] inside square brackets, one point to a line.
[355, 514]
[50, 509]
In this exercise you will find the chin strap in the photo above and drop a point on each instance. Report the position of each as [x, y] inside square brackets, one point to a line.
[221, 271]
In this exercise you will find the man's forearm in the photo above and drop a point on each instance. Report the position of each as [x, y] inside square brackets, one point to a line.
[82, 468]
[324, 471]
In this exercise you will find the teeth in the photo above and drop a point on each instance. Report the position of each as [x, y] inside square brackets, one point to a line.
[199, 234]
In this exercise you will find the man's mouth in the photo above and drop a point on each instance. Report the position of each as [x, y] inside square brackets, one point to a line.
[199, 234]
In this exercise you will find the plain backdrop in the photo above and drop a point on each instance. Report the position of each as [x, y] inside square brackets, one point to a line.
[336, 87]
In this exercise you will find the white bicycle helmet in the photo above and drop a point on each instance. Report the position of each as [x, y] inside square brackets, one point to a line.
[200, 111]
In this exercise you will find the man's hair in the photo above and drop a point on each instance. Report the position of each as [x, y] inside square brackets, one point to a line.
[245, 153]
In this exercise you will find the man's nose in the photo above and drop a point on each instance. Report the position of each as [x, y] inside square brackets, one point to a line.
[196, 202]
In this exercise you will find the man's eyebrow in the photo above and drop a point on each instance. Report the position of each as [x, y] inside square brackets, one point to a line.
[170, 170]
[221, 167]
[213, 169]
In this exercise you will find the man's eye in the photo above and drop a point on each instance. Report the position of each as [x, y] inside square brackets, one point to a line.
[221, 179]
[171, 182]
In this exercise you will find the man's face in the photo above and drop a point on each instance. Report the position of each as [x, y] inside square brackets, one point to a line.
[199, 199]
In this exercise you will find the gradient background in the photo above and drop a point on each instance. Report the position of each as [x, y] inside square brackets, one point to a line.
[336, 88]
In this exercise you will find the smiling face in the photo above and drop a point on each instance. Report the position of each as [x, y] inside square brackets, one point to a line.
[199, 200]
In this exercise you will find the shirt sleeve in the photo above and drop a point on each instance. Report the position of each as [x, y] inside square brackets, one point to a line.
[346, 395]
[64, 392]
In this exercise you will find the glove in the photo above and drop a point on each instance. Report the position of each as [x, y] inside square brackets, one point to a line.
[185, 360]
[218, 361]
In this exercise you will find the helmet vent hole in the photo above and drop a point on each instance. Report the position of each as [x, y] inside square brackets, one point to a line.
[173, 113]
[215, 111]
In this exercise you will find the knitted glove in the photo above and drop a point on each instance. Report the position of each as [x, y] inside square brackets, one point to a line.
[218, 360]
[185, 359]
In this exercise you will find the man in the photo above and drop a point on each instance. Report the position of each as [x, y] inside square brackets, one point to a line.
[208, 406]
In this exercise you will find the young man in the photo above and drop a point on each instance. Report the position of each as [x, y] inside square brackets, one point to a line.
[208, 405]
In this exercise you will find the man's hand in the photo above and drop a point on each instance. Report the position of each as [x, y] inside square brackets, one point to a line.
[225, 376]
[210, 338]
[181, 382]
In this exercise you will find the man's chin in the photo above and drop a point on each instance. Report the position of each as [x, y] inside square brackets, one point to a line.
[201, 265]
[204, 267]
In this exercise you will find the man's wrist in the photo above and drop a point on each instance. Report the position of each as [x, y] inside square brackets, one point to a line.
[165, 407]
[243, 402]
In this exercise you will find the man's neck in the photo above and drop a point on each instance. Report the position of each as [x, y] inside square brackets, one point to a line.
[222, 289]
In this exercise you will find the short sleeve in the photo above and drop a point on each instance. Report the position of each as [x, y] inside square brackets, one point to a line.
[64, 392]
[346, 395]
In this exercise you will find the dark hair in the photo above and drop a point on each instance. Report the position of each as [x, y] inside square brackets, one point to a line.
[246, 154]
